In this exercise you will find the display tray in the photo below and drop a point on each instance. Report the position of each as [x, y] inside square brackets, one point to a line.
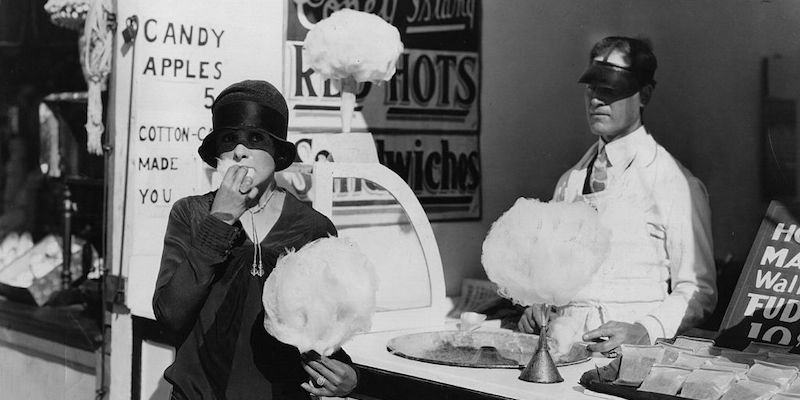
[600, 380]
[627, 392]
[476, 349]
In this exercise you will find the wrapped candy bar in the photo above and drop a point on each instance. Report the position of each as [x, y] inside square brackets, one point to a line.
[318, 297]
[707, 384]
[665, 379]
[636, 363]
[671, 352]
[794, 387]
[742, 357]
[691, 360]
[707, 351]
[781, 375]
[716, 350]
[698, 345]
[784, 359]
[750, 390]
[722, 364]
[786, 396]
[760, 347]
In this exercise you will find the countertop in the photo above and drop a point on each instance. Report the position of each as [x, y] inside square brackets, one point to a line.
[370, 350]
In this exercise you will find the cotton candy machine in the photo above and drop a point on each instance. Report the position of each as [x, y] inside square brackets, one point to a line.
[477, 349]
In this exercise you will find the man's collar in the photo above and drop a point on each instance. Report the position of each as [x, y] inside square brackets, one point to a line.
[637, 144]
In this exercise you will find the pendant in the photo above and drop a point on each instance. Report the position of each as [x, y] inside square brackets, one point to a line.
[257, 269]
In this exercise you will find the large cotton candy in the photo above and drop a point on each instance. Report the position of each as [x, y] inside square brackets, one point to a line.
[320, 296]
[544, 252]
[353, 44]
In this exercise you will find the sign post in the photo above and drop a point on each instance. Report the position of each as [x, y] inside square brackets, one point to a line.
[186, 53]
[166, 74]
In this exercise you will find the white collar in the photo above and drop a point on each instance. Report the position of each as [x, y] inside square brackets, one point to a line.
[622, 152]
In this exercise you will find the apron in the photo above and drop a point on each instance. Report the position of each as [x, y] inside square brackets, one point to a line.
[633, 280]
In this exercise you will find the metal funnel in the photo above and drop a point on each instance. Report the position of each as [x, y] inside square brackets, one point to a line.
[541, 368]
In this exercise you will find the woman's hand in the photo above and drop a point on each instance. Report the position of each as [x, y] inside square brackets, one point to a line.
[234, 196]
[329, 377]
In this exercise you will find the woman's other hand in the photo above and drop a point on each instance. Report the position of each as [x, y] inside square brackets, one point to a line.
[329, 377]
[235, 195]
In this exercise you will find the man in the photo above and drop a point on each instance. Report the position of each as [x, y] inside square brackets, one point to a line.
[659, 276]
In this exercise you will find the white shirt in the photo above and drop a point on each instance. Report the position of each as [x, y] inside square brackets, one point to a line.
[673, 287]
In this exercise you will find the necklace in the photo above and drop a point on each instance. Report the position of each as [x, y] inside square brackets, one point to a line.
[272, 189]
[258, 267]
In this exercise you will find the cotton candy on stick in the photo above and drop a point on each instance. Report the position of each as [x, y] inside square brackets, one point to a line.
[318, 297]
[544, 253]
[351, 47]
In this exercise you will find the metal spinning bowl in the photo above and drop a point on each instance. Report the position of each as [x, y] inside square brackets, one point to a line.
[476, 349]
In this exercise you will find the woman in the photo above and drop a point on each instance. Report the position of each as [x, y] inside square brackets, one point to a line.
[218, 250]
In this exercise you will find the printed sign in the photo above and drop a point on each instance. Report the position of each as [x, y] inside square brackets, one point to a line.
[765, 306]
[443, 169]
[425, 113]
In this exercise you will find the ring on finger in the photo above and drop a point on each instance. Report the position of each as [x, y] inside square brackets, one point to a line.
[320, 382]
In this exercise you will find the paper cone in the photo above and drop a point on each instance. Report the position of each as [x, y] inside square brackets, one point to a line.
[541, 368]
[349, 86]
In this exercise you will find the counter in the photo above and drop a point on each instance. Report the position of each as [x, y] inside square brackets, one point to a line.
[47, 352]
[388, 376]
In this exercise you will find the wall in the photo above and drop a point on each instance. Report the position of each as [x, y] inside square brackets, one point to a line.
[705, 108]
[35, 368]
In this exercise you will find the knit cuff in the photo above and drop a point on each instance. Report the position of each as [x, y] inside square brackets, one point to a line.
[216, 237]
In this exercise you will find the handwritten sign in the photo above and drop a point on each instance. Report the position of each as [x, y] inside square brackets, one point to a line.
[185, 53]
[766, 302]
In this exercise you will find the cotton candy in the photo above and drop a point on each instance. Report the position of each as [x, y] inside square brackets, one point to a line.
[563, 332]
[318, 297]
[350, 47]
[544, 253]
[223, 165]
[354, 44]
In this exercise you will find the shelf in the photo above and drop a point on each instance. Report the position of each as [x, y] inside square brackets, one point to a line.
[69, 326]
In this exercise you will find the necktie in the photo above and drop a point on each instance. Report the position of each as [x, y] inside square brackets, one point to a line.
[599, 178]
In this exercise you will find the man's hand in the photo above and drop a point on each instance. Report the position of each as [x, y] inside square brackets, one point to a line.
[617, 334]
[532, 318]
[329, 377]
[529, 319]
[235, 195]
